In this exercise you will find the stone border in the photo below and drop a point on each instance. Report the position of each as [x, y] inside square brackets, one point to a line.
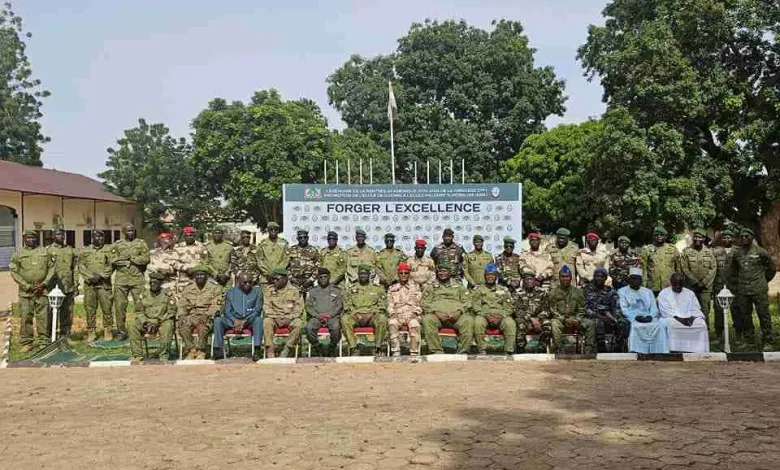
[6, 346]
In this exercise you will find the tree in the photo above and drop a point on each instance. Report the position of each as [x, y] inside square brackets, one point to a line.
[462, 93]
[153, 169]
[21, 95]
[708, 71]
[245, 152]
[352, 146]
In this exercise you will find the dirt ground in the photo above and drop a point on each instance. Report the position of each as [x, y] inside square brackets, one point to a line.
[480, 415]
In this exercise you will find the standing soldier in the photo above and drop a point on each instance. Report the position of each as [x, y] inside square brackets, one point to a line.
[493, 308]
[403, 309]
[130, 256]
[282, 308]
[621, 261]
[365, 305]
[450, 251]
[303, 261]
[724, 256]
[360, 254]
[243, 258]
[334, 258]
[156, 317]
[660, 261]
[95, 268]
[191, 253]
[532, 312]
[199, 302]
[271, 253]
[219, 255]
[594, 255]
[699, 265]
[508, 265]
[387, 262]
[445, 304]
[64, 266]
[567, 308]
[563, 253]
[423, 266]
[753, 268]
[164, 260]
[324, 305]
[602, 307]
[32, 269]
[537, 260]
[474, 263]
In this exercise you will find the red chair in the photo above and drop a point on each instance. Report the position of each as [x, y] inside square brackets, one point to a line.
[232, 333]
[321, 333]
[195, 334]
[283, 333]
[359, 331]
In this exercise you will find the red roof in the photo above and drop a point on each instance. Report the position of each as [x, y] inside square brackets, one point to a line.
[37, 180]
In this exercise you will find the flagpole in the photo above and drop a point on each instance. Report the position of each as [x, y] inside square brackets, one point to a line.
[415, 172]
[392, 150]
[361, 171]
[370, 171]
[427, 172]
[390, 114]
[452, 174]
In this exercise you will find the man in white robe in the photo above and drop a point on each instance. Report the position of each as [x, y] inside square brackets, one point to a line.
[684, 320]
[648, 334]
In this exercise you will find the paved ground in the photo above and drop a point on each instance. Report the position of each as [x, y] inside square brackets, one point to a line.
[7, 290]
[581, 415]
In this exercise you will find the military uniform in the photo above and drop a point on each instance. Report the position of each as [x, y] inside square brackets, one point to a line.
[64, 267]
[386, 265]
[219, 257]
[357, 256]
[324, 300]
[724, 256]
[531, 307]
[567, 307]
[540, 262]
[660, 263]
[97, 263]
[189, 257]
[197, 308]
[454, 254]
[335, 261]
[403, 309]
[364, 305]
[243, 259]
[599, 303]
[30, 267]
[567, 255]
[270, 255]
[130, 260]
[423, 270]
[452, 299]
[753, 268]
[165, 262]
[588, 261]
[283, 309]
[159, 310]
[509, 269]
[493, 300]
[620, 263]
[474, 264]
[700, 268]
[303, 262]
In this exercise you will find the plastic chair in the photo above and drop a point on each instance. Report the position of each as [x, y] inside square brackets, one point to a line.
[282, 333]
[321, 333]
[232, 333]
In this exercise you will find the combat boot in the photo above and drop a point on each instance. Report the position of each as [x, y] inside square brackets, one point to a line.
[286, 352]
[91, 335]
[354, 352]
[269, 352]
[108, 335]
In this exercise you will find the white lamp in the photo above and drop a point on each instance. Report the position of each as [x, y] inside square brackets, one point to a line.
[56, 296]
[725, 299]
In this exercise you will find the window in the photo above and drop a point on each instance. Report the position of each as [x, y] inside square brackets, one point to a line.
[48, 237]
[87, 234]
[70, 238]
[107, 236]
[117, 235]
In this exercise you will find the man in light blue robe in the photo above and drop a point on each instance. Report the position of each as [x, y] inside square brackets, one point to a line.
[648, 333]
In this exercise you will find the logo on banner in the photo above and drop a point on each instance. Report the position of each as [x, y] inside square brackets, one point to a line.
[314, 193]
[495, 192]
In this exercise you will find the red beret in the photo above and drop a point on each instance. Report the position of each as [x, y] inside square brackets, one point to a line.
[188, 230]
[420, 242]
[164, 235]
[592, 236]
[534, 236]
[404, 267]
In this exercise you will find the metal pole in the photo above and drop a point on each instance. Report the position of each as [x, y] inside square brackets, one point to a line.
[452, 173]
[349, 171]
[337, 172]
[726, 345]
[415, 172]
[325, 164]
[370, 171]
[463, 171]
[361, 171]
[439, 171]
[54, 312]
[427, 172]
[392, 145]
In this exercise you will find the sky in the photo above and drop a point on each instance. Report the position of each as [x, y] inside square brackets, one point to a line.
[108, 63]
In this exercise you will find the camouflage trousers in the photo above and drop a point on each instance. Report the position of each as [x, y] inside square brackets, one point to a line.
[190, 325]
[272, 325]
[526, 327]
[507, 326]
[464, 325]
[121, 296]
[584, 327]
[34, 307]
[377, 321]
[102, 296]
[164, 334]
[411, 321]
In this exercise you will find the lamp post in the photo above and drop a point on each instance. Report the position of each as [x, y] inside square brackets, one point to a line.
[725, 299]
[56, 296]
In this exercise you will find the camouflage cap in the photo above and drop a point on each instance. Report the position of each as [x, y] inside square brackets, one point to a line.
[510, 240]
[444, 264]
[527, 273]
[156, 275]
[624, 238]
[360, 232]
[302, 232]
[58, 229]
[448, 231]
[273, 225]
[563, 232]
[333, 234]
[218, 229]
[747, 231]
[700, 232]
[660, 231]
[364, 267]
[30, 233]
[728, 232]
[97, 232]
[478, 238]
[279, 271]
[202, 268]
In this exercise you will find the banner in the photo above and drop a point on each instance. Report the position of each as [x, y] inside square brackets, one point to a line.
[409, 211]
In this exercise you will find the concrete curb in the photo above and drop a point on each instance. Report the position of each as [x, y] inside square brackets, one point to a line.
[7, 330]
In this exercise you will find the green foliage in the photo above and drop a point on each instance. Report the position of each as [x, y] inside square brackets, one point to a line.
[352, 146]
[154, 169]
[462, 93]
[20, 95]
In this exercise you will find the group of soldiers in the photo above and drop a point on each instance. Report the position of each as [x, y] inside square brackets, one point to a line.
[275, 289]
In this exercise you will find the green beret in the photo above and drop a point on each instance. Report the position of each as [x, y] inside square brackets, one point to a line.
[700, 231]
[202, 268]
[624, 238]
[279, 271]
[218, 228]
[728, 232]
[31, 232]
[510, 240]
[273, 225]
[747, 231]
[478, 238]
[360, 231]
[444, 264]
[97, 232]
[364, 267]
[563, 232]
[528, 273]
[302, 232]
[660, 231]
[389, 235]
[332, 234]
[156, 275]
[58, 229]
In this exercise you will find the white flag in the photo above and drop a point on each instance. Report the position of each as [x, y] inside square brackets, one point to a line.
[392, 108]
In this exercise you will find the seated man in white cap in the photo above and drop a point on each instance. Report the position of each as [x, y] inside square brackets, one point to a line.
[682, 315]
[648, 334]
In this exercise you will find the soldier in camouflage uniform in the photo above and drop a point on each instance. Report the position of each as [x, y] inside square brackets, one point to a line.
[423, 267]
[594, 255]
[191, 253]
[64, 268]
[387, 262]
[403, 309]
[621, 261]
[360, 254]
[334, 258]
[753, 268]
[243, 258]
[602, 307]
[32, 269]
[493, 307]
[445, 304]
[282, 308]
[508, 265]
[365, 304]
[303, 261]
[537, 260]
[164, 260]
[660, 261]
[567, 308]
[95, 268]
[699, 265]
[532, 312]
[324, 306]
[219, 256]
[450, 251]
[156, 318]
[724, 255]
[130, 257]
[199, 302]
[474, 263]
[271, 254]
[563, 253]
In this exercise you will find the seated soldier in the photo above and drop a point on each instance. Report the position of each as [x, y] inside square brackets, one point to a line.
[282, 308]
[199, 302]
[532, 312]
[602, 306]
[324, 305]
[567, 307]
[681, 313]
[158, 316]
[492, 306]
[243, 310]
[445, 304]
[637, 303]
[365, 304]
[403, 308]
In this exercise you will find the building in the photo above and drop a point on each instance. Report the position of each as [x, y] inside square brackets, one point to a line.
[39, 199]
